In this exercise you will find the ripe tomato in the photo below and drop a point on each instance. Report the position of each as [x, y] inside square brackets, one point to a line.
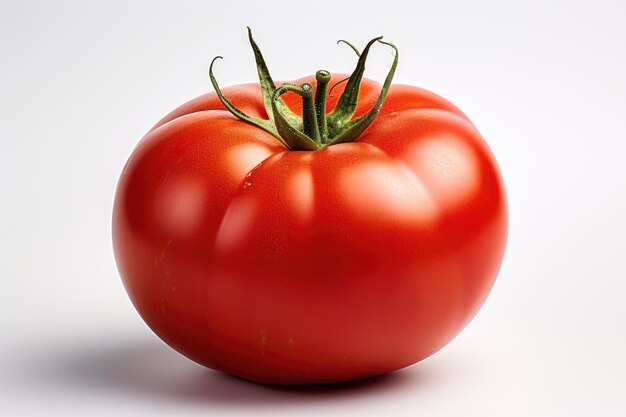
[308, 267]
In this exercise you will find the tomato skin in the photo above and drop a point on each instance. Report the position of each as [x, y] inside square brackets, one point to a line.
[310, 267]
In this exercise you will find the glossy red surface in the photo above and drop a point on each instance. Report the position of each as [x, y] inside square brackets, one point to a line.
[300, 267]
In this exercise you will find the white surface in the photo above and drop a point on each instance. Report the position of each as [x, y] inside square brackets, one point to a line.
[543, 81]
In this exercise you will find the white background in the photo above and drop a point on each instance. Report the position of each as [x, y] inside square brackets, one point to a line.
[544, 81]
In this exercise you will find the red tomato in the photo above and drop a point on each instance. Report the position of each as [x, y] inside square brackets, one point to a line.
[310, 267]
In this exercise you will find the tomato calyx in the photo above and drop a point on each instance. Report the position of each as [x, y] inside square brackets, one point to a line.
[315, 129]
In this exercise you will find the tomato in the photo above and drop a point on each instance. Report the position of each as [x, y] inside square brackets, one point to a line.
[310, 266]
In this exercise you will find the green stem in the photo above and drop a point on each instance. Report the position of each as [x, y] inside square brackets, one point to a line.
[322, 77]
[309, 137]
[315, 129]
[309, 115]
